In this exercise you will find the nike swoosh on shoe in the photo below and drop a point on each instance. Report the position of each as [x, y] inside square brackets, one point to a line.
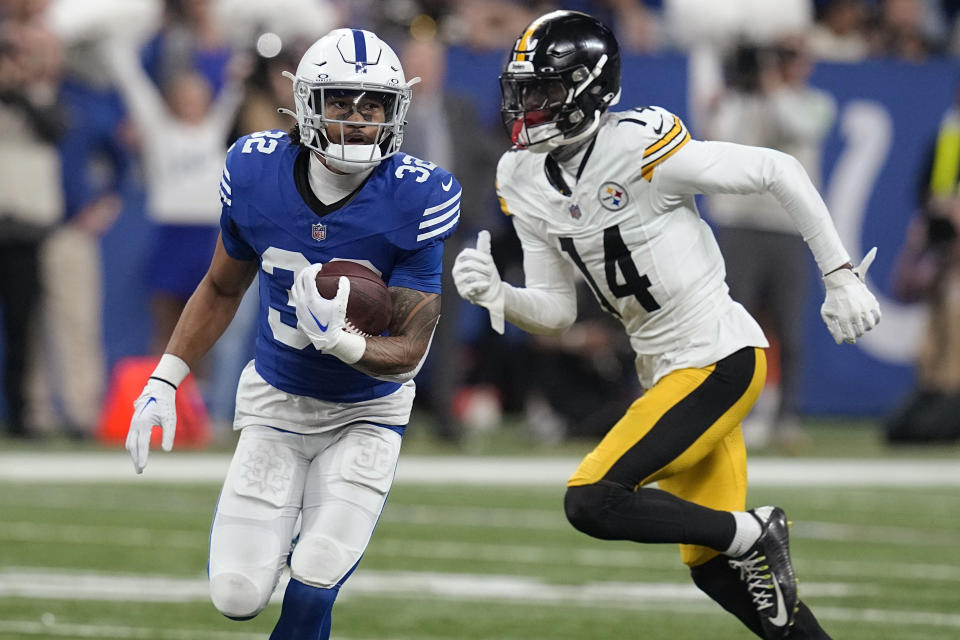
[781, 618]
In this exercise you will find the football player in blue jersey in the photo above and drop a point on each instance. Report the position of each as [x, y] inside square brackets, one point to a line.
[321, 409]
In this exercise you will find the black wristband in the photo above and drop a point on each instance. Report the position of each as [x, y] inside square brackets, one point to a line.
[162, 380]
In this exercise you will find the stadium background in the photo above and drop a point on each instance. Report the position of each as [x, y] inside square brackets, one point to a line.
[900, 103]
[888, 109]
[473, 545]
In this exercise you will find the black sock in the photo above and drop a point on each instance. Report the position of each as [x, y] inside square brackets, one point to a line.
[806, 627]
[722, 583]
[611, 511]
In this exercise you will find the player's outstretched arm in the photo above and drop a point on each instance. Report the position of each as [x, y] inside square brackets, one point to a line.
[547, 305]
[206, 316]
[141, 96]
[849, 309]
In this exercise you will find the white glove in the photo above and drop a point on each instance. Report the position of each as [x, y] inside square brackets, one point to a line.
[155, 406]
[849, 309]
[477, 279]
[323, 320]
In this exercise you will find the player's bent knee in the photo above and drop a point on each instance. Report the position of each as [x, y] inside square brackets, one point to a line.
[321, 561]
[584, 507]
[236, 596]
[711, 575]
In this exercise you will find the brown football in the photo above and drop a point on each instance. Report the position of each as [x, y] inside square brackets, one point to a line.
[369, 306]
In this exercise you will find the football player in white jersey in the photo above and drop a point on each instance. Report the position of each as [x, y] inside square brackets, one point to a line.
[321, 408]
[609, 197]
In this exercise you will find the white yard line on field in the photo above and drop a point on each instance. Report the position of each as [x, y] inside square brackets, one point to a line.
[515, 554]
[49, 626]
[527, 591]
[869, 569]
[79, 585]
[885, 616]
[108, 535]
[873, 534]
[100, 466]
[492, 553]
[141, 537]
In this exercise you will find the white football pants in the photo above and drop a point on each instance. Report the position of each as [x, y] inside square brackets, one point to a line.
[337, 481]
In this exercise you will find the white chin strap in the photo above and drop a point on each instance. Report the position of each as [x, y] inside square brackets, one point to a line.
[542, 138]
[352, 158]
[550, 130]
[551, 143]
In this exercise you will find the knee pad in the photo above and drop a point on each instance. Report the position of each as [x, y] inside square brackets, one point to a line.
[584, 506]
[320, 561]
[236, 596]
[341, 507]
[245, 564]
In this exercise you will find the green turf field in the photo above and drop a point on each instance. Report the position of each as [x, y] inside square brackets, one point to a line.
[126, 560]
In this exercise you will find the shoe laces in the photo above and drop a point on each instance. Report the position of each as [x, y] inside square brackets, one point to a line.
[754, 571]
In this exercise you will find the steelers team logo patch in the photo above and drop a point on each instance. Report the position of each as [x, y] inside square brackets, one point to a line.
[612, 196]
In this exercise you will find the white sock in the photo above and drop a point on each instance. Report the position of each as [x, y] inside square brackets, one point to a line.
[748, 531]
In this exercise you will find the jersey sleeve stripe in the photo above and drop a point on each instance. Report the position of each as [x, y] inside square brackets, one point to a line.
[432, 222]
[647, 172]
[503, 206]
[438, 231]
[225, 199]
[225, 187]
[665, 140]
[440, 207]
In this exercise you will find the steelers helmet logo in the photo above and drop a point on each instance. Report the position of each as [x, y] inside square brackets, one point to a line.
[612, 196]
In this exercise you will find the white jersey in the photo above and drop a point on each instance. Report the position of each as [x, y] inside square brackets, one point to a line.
[261, 404]
[183, 161]
[638, 239]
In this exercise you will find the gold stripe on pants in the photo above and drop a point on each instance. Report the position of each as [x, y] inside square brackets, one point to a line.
[684, 434]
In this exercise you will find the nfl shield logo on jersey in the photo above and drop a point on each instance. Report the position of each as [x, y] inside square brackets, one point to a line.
[612, 196]
[319, 232]
[575, 212]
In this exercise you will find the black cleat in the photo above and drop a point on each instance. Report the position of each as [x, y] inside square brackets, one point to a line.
[768, 573]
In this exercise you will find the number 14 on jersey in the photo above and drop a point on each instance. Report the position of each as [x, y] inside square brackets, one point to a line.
[616, 257]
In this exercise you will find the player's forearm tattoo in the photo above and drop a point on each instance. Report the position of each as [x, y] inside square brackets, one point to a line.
[415, 315]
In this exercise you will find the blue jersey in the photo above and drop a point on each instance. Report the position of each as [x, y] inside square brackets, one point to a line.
[394, 223]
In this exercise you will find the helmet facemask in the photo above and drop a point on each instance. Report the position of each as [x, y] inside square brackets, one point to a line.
[563, 73]
[326, 118]
[345, 73]
[535, 109]
[542, 111]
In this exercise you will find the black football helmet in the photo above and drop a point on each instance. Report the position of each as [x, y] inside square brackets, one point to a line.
[563, 73]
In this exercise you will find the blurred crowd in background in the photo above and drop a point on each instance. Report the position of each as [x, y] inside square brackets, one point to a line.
[115, 109]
